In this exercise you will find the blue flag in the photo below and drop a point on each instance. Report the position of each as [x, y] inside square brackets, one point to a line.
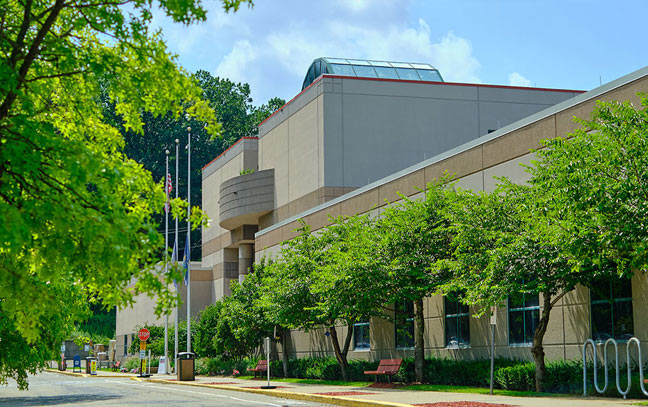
[185, 260]
[174, 261]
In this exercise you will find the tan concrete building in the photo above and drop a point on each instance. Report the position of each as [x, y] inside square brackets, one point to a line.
[350, 142]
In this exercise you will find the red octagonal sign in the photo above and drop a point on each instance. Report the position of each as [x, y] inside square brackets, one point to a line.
[143, 334]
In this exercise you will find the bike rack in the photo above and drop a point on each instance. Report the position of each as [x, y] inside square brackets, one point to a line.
[625, 392]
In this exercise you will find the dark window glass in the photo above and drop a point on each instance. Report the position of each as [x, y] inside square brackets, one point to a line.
[524, 313]
[361, 335]
[612, 310]
[318, 69]
[407, 73]
[404, 324]
[125, 345]
[429, 75]
[339, 69]
[457, 323]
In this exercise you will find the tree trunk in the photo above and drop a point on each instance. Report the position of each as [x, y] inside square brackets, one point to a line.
[283, 338]
[339, 354]
[537, 350]
[419, 340]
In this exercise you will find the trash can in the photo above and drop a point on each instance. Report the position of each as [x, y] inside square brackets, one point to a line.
[186, 364]
[89, 360]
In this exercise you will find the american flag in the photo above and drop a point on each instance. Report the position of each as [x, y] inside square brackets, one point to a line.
[169, 188]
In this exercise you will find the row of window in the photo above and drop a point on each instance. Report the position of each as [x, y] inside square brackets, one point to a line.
[611, 317]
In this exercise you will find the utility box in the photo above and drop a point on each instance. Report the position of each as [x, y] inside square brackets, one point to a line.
[186, 364]
[91, 368]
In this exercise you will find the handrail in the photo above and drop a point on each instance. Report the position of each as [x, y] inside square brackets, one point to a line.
[625, 392]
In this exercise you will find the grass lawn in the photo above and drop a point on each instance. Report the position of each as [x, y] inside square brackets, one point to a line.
[313, 381]
[479, 390]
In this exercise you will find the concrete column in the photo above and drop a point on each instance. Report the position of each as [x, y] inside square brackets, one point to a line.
[245, 260]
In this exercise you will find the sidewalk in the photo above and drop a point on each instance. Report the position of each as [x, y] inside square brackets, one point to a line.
[371, 396]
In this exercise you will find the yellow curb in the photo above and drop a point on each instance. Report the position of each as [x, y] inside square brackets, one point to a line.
[320, 398]
[81, 374]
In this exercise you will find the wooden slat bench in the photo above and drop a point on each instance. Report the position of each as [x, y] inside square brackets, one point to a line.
[386, 367]
[262, 366]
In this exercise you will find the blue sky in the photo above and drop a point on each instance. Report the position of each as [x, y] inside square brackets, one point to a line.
[569, 44]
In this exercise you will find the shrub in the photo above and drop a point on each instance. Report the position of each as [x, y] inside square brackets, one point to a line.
[518, 377]
[132, 363]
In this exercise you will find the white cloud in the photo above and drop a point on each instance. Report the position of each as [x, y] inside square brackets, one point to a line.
[515, 79]
[453, 57]
[238, 62]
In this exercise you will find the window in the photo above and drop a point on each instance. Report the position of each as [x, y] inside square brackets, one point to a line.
[457, 323]
[408, 73]
[340, 69]
[361, 335]
[404, 324]
[387, 73]
[612, 310]
[364, 71]
[429, 75]
[523, 315]
[125, 345]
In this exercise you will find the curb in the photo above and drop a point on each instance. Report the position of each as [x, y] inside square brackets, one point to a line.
[63, 372]
[320, 398]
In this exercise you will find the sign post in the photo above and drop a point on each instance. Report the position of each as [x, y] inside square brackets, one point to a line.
[493, 322]
[267, 346]
[143, 336]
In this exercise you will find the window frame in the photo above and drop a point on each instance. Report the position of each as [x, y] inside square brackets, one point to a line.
[457, 316]
[405, 322]
[612, 302]
[364, 324]
[524, 309]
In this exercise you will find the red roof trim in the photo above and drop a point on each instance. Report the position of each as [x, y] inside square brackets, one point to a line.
[412, 81]
[455, 84]
[228, 149]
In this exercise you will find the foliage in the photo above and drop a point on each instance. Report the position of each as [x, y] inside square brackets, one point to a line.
[78, 215]
[415, 235]
[597, 183]
[101, 323]
[324, 278]
[206, 329]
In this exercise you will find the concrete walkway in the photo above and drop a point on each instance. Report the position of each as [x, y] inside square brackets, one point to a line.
[371, 396]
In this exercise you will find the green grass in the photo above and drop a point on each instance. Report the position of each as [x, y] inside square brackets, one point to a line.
[641, 403]
[314, 381]
[479, 390]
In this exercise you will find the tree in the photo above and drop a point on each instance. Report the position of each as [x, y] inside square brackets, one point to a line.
[76, 211]
[504, 251]
[326, 278]
[597, 178]
[236, 116]
[415, 235]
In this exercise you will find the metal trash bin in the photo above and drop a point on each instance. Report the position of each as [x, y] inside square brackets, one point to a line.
[89, 360]
[186, 364]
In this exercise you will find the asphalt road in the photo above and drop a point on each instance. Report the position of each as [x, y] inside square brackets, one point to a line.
[51, 389]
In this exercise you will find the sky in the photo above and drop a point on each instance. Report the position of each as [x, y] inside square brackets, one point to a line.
[570, 44]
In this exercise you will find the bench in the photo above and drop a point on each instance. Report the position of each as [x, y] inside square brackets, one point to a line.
[116, 366]
[262, 366]
[386, 367]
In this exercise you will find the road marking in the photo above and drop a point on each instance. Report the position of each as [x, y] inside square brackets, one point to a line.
[197, 392]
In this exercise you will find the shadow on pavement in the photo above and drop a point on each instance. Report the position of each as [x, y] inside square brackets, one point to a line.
[80, 399]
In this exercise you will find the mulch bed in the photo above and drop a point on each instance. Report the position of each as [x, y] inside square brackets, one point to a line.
[463, 404]
[345, 393]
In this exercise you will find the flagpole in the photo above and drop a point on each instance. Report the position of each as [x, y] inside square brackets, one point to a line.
[189, 239]
[175, 354]
[166, 260]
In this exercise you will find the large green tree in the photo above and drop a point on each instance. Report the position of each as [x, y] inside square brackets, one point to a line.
[415, 235]
[598, 181]
[77, 214]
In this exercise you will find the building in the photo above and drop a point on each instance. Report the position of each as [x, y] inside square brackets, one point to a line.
[350, 142]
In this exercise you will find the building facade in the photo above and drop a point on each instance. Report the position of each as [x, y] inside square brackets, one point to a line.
[349, 145]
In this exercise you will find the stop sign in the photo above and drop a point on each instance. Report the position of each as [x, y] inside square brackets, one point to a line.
[143, 334]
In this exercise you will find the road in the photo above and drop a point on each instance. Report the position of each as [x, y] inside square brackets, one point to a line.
[51, 389]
